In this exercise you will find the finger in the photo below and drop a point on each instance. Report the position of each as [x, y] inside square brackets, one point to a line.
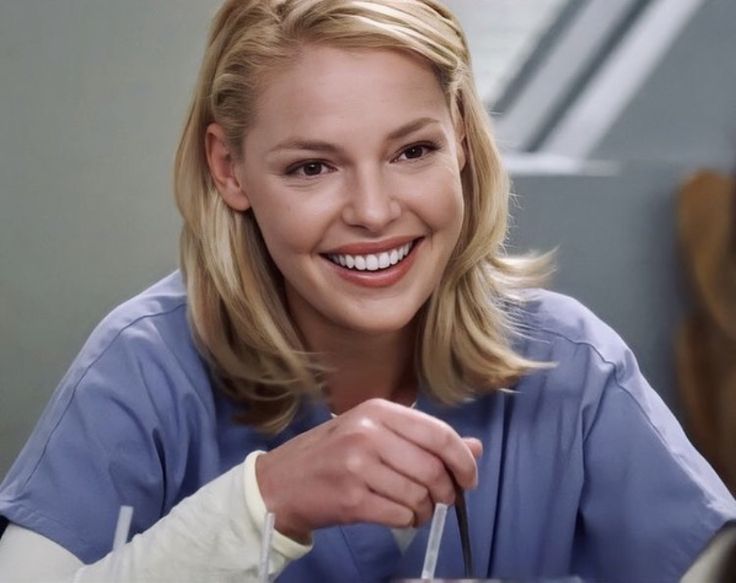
[396, 487]
[381, 510]
[417, 464]
[433, 435]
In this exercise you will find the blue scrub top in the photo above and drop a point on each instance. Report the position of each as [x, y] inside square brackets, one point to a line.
[585, 471]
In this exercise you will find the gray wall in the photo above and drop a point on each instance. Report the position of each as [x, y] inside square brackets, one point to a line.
[685, 113]
[616, 252]
[92, 97]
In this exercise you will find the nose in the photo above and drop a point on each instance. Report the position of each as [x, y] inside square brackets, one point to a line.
[370, 204]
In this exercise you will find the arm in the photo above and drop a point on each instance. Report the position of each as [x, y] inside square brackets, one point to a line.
[27, 556]
[650, 501]
[213, 535]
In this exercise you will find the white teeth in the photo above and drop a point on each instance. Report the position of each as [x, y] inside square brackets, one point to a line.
[383, 260]
[372, 262]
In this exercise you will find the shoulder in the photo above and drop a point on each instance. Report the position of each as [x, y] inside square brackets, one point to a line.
[148, 329]
[557, 328]
[140, 359]
[585, 360]
[142, 353]
[590, 369]
[554, 315]
[158, 311]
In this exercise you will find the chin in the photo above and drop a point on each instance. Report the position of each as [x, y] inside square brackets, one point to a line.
[375, 324]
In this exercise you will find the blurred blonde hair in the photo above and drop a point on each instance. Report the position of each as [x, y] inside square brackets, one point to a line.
[235, 297]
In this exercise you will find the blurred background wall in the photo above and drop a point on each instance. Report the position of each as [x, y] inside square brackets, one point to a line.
[92, 98]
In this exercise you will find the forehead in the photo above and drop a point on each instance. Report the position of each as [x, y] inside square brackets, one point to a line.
[335, 90]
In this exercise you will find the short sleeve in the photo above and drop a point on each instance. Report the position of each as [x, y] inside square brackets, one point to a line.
[116, 432]
[650, 502]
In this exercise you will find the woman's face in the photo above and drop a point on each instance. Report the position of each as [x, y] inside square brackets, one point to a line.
[352, 169]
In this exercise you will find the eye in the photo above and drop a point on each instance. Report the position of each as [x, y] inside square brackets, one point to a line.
[308, 169]
[418, 151]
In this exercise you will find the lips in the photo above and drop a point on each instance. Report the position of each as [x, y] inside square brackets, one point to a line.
[374, 264]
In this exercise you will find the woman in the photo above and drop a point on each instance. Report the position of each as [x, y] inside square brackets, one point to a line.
[337, 346]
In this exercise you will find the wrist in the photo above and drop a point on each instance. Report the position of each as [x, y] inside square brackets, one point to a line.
[286, 521]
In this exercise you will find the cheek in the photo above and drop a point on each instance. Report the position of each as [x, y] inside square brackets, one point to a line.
[290, 227]
[444, 206]
[277, 211]
[282, 238]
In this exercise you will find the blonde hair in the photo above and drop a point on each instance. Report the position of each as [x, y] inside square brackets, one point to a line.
[235, 298]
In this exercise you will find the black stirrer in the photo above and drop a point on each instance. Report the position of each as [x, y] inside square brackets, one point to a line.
[461, 512]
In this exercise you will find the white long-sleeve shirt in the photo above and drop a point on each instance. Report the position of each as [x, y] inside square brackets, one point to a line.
[213, 535]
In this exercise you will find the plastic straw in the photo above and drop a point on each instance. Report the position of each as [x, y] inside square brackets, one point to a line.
[122, 528]
[266, 537]
[433, 546]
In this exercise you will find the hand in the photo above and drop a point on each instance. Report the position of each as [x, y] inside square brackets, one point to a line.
[379, 462]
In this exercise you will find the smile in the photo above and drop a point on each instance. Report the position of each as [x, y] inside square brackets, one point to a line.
[372, 261]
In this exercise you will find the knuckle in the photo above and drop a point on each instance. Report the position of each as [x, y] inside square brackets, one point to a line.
[360, 434]
[355, 463]
[365, 425]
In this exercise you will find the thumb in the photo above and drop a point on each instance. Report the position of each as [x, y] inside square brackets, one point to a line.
[475, 446]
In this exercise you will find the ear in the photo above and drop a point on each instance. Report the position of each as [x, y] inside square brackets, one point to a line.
[223, 169]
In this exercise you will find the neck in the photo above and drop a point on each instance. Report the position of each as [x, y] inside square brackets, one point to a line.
[365, 366]
[372, 367]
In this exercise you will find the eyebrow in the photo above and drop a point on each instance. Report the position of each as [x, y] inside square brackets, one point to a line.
[320, 146]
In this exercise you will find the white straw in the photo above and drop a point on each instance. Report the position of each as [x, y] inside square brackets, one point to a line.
[266, 537]
[433, 546]
[122, 528]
